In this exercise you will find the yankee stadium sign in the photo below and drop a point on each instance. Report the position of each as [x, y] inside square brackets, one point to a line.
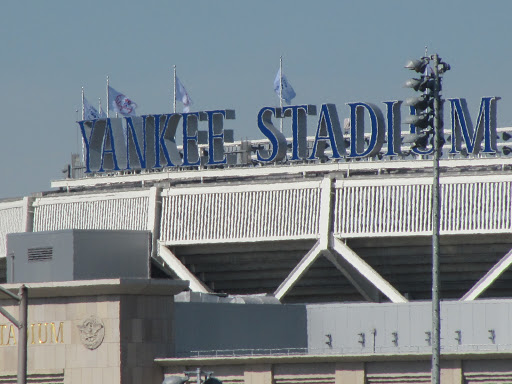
[149, 141]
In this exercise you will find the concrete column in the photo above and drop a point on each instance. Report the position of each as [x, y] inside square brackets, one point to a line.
[28, 214]
[350, 373]
[154, 213]
[451, 372]
[258, 374]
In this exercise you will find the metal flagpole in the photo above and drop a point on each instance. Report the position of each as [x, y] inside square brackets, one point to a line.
[83, 118]
[281, 90]
[174, 97]
[23, 334]
[99, 105]
[108, 103]
[83, 104]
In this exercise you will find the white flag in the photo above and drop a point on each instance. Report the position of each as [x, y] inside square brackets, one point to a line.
[287, 92]
[182, 95]
[120, 103]
[90, 113]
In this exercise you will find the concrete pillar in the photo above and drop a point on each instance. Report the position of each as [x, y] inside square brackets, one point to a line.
[258, 374]
[350, 373]
[154, 214]
[451, 372]
[28, 214]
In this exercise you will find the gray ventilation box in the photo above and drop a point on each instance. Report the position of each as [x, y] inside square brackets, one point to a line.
[77, 255]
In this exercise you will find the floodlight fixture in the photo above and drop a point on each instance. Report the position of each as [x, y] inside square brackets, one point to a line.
[421, 102]
[420, 121]
[417, 65]
[421, 85]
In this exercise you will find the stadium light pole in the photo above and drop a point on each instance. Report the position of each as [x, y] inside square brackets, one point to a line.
[21, 324]
[436, 224]
[431, 103]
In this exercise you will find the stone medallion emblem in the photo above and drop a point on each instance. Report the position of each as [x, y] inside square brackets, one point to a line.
[92, 332]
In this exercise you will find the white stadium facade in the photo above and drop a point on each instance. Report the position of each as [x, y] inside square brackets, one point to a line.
[310, 270]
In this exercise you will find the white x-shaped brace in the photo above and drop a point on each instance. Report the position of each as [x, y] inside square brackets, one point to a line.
[361, 275]
[364, 278]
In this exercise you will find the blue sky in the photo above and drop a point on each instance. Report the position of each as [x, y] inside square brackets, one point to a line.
[227, 55]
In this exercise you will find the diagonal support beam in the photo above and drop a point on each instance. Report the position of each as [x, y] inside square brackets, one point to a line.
[366, 271]
[181, 271]
[489, 278]
[299, 270]
[367, 290]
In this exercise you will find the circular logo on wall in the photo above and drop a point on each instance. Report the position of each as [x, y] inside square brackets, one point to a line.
[92, 332]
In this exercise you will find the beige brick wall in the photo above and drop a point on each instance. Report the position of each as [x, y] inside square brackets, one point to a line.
[128, 349]
[58, 347]
[146, 333]
[345, 369]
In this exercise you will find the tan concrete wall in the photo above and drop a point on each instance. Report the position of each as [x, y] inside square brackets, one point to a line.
[228, 374]
[258, 374]
[138, 329]
[54, 339]
[146, 333]
[353, 373]
[333, 370]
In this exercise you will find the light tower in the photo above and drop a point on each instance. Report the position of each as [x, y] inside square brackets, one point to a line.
[429, 123]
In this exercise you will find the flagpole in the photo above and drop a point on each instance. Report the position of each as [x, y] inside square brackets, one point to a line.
[108, 107]
[83, 118]
[99, 106]
[83, 104]
[78, 135]
[174, 99]
[281, 90]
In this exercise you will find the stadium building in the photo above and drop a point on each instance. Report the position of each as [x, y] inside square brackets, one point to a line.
[266, 268]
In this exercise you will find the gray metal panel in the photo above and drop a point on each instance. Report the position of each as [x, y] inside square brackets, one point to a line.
[111, 254]
[411, 321]
[3, 265]
[480, 336]
[450, 316]
[79, 255]
[59, 268]
[404, 325]
[466, 323]
[419, 324]
[214, 327]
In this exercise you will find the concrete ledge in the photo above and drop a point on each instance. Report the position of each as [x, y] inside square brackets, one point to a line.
[124, 286]
[39, 372]
[297, 359]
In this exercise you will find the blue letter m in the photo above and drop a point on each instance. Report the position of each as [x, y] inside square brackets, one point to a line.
[462, 128]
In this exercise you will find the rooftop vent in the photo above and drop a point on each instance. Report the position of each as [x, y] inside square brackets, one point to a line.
[40, 254]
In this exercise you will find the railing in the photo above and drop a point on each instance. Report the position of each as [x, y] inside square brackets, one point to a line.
[466, 348]
[401, 207]
[123, 210]
[362, 207]
[11, 220]
[277, 211]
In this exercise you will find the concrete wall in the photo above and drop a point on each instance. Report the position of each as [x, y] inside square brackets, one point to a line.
[136, 316]
[54, 345]
[348, 370]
